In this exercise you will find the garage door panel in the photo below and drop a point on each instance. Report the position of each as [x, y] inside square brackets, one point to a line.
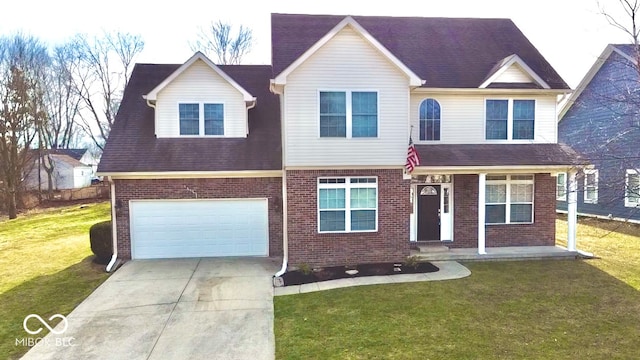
[199, 228]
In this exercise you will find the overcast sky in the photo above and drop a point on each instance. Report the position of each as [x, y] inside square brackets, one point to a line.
[569, 33]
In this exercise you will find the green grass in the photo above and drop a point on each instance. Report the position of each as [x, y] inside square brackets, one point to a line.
[504, 310]
[45, 267]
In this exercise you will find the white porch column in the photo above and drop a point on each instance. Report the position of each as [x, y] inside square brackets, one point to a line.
[482, 179]
[572, 210]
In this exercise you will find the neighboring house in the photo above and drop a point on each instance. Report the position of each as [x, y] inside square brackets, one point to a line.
[306, 158]
[83, 155]
[601, 120]
[68, 173]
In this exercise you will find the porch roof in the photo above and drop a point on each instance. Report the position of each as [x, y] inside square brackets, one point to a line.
[474, 155]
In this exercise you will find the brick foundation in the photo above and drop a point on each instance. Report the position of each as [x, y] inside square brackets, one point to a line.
[157, 189]
[389, 243]
[540, 233]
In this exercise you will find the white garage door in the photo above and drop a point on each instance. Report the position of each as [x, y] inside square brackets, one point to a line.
[198, 228]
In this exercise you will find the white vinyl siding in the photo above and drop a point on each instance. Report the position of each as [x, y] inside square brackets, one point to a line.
[513, 74]
[200, 84]
[346, 62]
[463, 118]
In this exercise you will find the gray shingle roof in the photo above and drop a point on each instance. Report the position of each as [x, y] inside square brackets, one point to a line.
[133, 147]
[446, 52]
[498, 155]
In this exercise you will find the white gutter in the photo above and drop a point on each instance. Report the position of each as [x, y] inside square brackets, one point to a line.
[285, 226]
[114, 235]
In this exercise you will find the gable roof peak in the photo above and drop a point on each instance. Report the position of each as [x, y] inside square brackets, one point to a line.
[349, 21]
[152, 95]
[504, 64]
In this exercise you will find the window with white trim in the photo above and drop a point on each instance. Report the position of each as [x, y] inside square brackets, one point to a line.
[561, 187]
[429, 119]
[201, 119]
[632, 188]
[348, 114]
[347, 204]
[591, 186]
[509, 199]
[510, 119]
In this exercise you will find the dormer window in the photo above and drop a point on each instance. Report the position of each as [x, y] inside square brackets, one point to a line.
[201, 119]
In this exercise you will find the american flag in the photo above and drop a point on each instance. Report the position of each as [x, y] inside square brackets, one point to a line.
[413, 159]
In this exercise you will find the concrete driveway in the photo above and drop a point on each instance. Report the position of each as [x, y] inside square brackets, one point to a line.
[213, 308]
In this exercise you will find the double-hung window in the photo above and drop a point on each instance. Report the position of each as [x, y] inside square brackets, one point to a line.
[591, 186]
[510, 119]
[632, 188]
[561, 187]
[201, 118]
[347, 204]
[348, 114]
[509, 199]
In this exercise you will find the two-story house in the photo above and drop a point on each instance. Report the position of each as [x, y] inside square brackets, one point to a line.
[306, 158]
[601, 120]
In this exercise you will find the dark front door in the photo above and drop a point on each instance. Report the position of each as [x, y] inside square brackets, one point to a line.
[428, 212]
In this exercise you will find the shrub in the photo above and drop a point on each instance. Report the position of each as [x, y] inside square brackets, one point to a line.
[101, 243]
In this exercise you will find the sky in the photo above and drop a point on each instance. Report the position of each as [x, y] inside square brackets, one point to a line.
[570, 34]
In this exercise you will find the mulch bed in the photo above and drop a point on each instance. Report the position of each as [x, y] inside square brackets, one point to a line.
[298, 277]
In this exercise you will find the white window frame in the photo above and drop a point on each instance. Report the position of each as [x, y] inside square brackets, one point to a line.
[628, 203]
[349, 113]
[586, 186]
[510, 119]
[347, 186]
[561, 187]
[420, 120]
[201, 118]
[508, 182]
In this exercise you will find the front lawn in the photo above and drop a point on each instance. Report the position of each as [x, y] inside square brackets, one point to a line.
[504, 310]
[45, 267]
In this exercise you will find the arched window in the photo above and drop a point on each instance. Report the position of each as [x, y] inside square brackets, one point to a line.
[429, 120]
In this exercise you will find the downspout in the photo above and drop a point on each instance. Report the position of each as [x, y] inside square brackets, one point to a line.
[285, 226]
[114, 234]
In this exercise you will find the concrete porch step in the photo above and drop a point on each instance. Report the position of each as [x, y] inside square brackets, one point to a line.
[499, 253]
[433, 248]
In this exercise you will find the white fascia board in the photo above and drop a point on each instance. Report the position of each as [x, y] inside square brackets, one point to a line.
[491, 169]
[152, 95]
[192, 174]
[414, 80]
[506, 63]
[586, 80]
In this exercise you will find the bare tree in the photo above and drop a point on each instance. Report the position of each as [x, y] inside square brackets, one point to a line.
[105, 64]
[23, 60]
[217, 39]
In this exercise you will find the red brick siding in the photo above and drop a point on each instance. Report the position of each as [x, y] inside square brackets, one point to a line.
[540, 233]
[157, 189]
[389, 243]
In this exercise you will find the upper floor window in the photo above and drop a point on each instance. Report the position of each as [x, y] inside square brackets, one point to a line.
[509, 119]
[348, 114]
[591, 186]
[429, 120]
[201, 119]
[561, 187]
[509, 199]
[632, 188]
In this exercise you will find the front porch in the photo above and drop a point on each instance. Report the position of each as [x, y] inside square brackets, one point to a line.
[439, 252]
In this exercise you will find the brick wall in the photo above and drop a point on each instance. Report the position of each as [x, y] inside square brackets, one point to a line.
[270, 188]
[389, 243]
[540, 233]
